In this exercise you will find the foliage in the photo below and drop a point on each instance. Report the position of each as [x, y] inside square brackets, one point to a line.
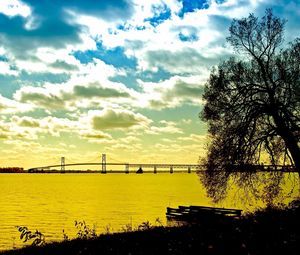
[127, 228]
[159, 222]
[253, 103]
[65, 236]
[108, 229]
[36, 237]
[11, 170]
[146, 225]
[84, 231]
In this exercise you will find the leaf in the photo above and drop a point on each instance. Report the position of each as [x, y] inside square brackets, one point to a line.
[22, 235]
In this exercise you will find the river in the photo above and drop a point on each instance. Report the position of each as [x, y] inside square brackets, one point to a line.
[52, 202]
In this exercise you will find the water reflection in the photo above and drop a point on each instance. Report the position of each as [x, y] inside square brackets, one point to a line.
[52, 202]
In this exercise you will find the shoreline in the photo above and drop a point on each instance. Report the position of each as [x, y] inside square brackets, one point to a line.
[272, 231]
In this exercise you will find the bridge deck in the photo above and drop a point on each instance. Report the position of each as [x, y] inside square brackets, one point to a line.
[190, 167]
[123, 164]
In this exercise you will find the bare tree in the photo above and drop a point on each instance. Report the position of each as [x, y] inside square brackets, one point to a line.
[253, 101]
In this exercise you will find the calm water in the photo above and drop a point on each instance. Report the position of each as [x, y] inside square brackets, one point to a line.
[52, 202]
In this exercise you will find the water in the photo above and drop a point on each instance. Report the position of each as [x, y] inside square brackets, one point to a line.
[52, 202]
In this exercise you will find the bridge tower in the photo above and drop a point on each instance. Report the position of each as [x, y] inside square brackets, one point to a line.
[103, 171]
[62, 164]
[127, 168]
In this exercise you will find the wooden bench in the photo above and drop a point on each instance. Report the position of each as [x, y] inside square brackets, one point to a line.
[199, 212]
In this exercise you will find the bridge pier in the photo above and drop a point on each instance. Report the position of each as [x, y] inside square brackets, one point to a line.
[189, 170]
[62, 165]
[171, 169]
[126, 168]
[103, 170]
[155, 170]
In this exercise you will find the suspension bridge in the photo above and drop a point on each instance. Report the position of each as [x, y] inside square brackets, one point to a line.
[102, 167]
[126, 167]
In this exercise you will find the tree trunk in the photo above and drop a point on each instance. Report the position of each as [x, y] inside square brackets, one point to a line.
[289, 139]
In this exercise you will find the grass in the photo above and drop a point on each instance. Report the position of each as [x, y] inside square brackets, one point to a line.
[272, 231]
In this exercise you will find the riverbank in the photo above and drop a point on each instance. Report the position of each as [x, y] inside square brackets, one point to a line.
[272, 231]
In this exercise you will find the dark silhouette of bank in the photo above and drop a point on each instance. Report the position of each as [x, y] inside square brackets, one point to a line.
[253, 103]
[273, 231]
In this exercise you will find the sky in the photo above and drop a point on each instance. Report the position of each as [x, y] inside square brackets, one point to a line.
[79, 78]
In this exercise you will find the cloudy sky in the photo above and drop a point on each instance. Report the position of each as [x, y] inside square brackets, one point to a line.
[123, 77]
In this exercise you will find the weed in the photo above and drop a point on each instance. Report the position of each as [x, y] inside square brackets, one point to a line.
[65, 236]
[84, 231]
[145, 226]
[159, 222]
[36, 237]
[108, 229]
[127, 228]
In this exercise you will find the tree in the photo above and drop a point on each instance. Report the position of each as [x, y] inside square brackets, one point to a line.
[253, 100]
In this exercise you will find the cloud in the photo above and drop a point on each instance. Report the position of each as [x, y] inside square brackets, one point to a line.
[84, 89]
[36, 127]
[9, 131]
[26, 122]
[185, 61]
[160, 14]
[36, 24]
[14, 7]
[8, 106]
[192, 5]
[46, 60]
[174, 91]
[94, 90]
[168, 127]
[40, 97]
[94, 135]
[194, 138]
[70, 96]
[180, 37]
[109, 10]
[116, 119]
[3, 136]
[53, 32]
[184, 89]
[6, 69]
[62, 65]
[186, 121]
[84, 92]
[40, 126]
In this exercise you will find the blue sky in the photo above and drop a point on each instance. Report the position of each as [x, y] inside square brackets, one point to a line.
[122, 77]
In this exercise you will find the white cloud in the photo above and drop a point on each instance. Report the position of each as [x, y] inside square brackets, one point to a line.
[49, 60]
[29, 128]
[93, 135]
[109, 119]
[194, 138]
[89, 87]
[14, 7]
[40, 126]
[172, 92]
[167, 127]
[88, 91]
[5, 69]
[8, 106]
[142, 40]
